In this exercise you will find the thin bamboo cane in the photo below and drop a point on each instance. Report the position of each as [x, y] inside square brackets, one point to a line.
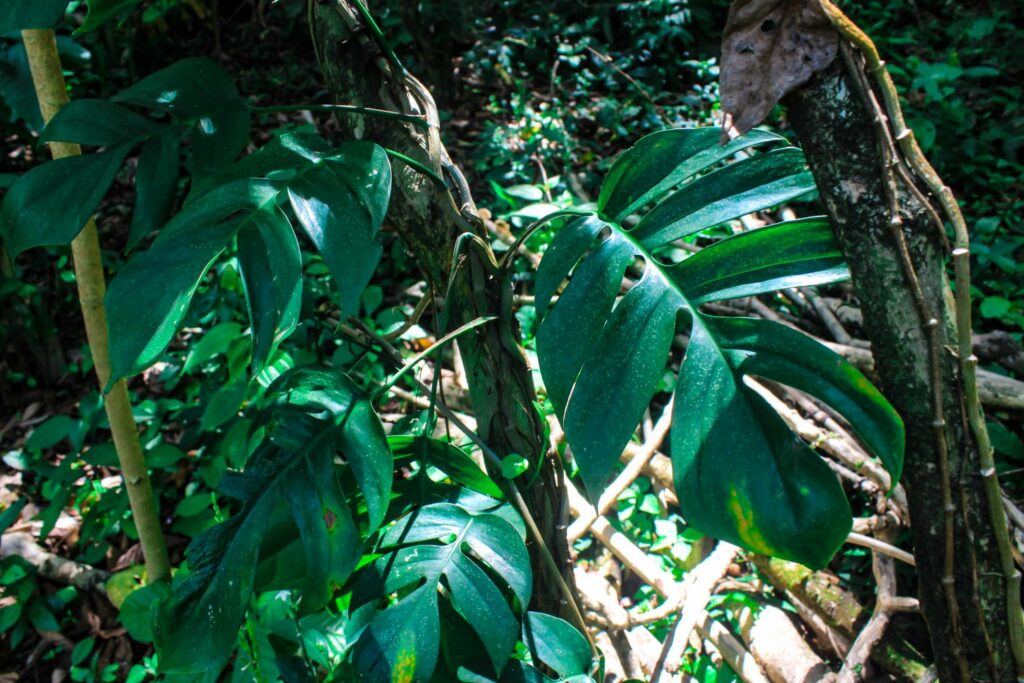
[51, 91]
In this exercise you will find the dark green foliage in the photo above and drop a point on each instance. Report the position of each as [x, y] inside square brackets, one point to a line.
[320, 413]
[16, 15]
[337, 196]
[741, 475]
[50, 204]
[431, 544]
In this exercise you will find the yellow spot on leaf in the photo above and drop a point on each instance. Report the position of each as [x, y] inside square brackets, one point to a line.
[405, 665]
[750, 535]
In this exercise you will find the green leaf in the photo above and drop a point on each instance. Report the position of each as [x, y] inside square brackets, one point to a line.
[148, 298]
[139, 610]
[9, 616]
[738, 189]
[448, 458]
[330, 395]
[198, 93]
[342, 211]
[660, 161]
[213, 343]
[50, 433]
[49, 205]
[102, 11]
[10, 515]
[995, 307]
[81, 650]
[156, 184]
[799, 253]
[763, 348]
[271, 266]
[340, 203]
[319, 413]
[551, 641]
[435, 541]
[513, 465]
[16, 15]
[741, 474]
[558, 644]
[98, 122]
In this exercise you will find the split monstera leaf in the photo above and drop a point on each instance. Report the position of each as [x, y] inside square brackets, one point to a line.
[740, 473]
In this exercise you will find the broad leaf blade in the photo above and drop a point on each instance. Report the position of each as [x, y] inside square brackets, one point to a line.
[750, 185]
[102, 11]
[601, 357]
[156, 184]
[425, 546]
[271, 266]
[800, 253]
[767, 349]
[291, 477]
[448, 458]
[199, 93]
[148, 298]
[742, 475]
[341, 224]
[17, 15]
[49, 205]
[98, 122]
[660, 161]
[629, 356]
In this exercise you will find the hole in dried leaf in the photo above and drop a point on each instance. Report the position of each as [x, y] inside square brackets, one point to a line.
[768, 26]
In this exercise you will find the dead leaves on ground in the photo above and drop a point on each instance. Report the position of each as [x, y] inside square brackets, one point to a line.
[769, 48]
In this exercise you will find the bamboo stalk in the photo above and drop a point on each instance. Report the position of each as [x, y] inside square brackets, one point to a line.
[48, 77]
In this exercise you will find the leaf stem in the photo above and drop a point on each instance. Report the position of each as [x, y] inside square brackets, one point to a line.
[51, 91]
[418, 120]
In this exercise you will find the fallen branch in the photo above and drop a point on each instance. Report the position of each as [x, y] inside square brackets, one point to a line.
[701, 582]
[50, 566]
[838, 609]
[780, 648]
[855, 666]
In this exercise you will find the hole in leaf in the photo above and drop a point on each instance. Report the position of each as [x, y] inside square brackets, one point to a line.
[768, 26]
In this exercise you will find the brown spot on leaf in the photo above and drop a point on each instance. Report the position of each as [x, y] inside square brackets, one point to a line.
[329, 518]
[769, 48]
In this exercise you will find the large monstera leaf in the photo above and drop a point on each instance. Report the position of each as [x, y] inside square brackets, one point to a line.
[338, 196]
[741, 475]
[290, 490]
[473, 552]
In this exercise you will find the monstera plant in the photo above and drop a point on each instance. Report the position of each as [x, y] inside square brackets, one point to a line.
[740, 474]
[401, 567]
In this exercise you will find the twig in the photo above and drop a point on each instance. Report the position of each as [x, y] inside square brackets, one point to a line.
[643, 91]
[856, 659]
[699, 587]
[731, 649]
[881, 547]
[827, 317]
[639, 562]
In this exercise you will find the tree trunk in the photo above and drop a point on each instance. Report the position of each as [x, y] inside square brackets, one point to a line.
[835, 121]
[430, 219]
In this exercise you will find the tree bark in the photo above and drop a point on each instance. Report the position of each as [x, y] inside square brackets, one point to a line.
[836, 125]
[430, 220]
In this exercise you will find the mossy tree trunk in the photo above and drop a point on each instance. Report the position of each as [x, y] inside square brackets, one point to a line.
[430, 219]
[837, 128]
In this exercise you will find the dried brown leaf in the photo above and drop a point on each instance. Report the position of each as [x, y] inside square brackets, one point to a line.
[769, 48]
